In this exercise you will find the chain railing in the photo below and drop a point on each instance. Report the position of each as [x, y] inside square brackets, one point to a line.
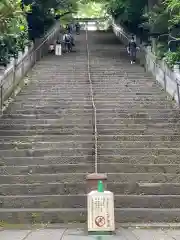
[94, 117]
[12, 78]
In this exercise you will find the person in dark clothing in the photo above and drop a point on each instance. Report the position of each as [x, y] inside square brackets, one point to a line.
[132, 50]
[77, 25]
[69, 27]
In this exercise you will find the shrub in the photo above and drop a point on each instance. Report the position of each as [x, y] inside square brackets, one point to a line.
[172, 58]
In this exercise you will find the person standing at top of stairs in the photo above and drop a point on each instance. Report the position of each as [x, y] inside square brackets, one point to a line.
[70, 28]
[77, 25]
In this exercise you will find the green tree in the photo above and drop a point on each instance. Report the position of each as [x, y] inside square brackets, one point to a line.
[173, 6]
[91, 10]
[157, 19]
[13, 30]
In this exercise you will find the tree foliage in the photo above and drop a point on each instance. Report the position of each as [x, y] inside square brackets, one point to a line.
[13, 30]
[24, 20]
[173, 6]
[157, 19]
[41, 14]
[90, 10]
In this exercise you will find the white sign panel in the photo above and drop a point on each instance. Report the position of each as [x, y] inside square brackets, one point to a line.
[58, 50]
[101, 211]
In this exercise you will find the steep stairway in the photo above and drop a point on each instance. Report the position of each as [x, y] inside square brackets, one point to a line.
[46, 139]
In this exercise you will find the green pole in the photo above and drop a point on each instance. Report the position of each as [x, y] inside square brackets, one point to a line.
[100, 186]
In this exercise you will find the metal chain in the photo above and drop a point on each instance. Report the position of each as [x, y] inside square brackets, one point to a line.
[94, 108]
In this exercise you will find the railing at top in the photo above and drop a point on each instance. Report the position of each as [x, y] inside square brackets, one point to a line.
[90, 19]
[120, 33]
[94, 23]
[169, 79]
[12, 78]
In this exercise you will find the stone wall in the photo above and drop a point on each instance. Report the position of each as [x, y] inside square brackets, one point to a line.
[168, 78]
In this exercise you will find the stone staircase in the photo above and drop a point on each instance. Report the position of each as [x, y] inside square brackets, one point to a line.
[46, 139]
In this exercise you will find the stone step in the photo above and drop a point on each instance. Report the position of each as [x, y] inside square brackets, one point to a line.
[56, 215]
[66, 121]
[56, 126]
[49, 145]
[144, 120]
[74, 83]
[120, 90]
[83, 91]
[80, 201]
[144, 177]
[136, 144]
[126, 95]
[106, 95]
[119, 111]
[112, 167]
[47, 138]
[48, 160]
[57, 131]
[147, 84]
[124, 98]
[81, 188]
[114, 144]
[56, 168]
[43, 178]
[115, 167]
[49, 152]
[128, 131]
[86, 103]
[137, 111]
[39, 98]
[152, 139]
[77, 120]
[139, 151]
[79, 177]
[32, 106]
[56, 159]
[132, 81]
[100, 116]
[48, 106]
[144, 81]
[147, 81]
[65, 93]
[134, 106]
[155, 188]
[140, 159]
[45, 116]
[61, 126]
[79, 131]
[146, 92]
[85, 151]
